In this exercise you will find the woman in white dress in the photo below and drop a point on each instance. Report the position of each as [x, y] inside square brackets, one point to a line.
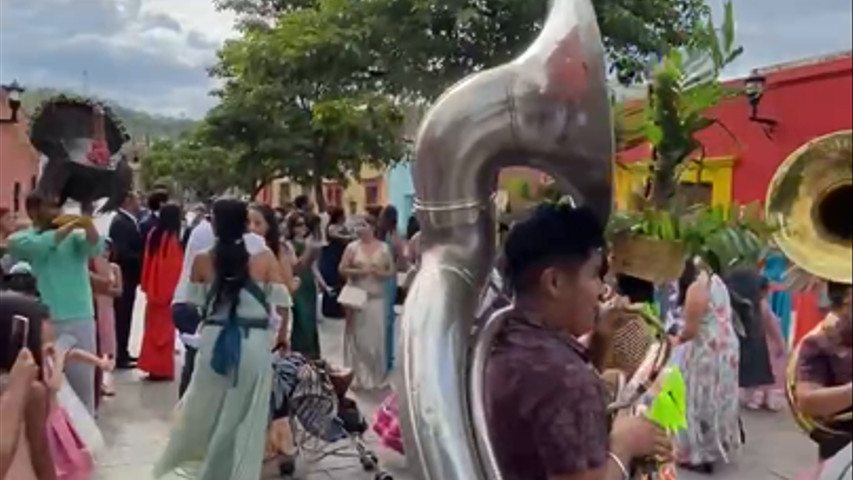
[366, 264]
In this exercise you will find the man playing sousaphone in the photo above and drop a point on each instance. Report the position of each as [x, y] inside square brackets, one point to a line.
[545, 403]
[824, 373]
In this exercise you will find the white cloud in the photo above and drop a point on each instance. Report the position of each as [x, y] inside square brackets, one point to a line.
[149, 54]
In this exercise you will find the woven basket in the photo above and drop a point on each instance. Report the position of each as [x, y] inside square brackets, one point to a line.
[651, 259]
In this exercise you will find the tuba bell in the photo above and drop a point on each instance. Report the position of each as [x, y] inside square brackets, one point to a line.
[549, 110]
[809, 200]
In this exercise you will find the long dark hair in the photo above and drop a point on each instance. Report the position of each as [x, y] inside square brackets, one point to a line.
[413, 227]
[168, 223]
[230, 257]
[387, 222]
[295, 217]
[12, 304]
[273, 236]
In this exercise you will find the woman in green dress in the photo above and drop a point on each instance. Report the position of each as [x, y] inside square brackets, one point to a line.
[220, 431]
[301, 241]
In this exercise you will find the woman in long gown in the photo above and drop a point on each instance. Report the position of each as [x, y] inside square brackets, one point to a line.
[709, 359]
[304, 338]
[337, 239]
[223, 418]
[366, 264]
[161, 270]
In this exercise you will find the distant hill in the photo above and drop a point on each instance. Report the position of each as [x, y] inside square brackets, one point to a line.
[140, 125]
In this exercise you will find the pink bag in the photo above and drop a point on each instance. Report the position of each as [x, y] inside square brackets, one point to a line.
[386, 424]
[72, 460]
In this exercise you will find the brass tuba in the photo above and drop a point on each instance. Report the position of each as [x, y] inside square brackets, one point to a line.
[548, 109]
[809, 200]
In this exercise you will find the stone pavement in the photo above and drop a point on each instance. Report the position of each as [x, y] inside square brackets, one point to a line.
[136, 426]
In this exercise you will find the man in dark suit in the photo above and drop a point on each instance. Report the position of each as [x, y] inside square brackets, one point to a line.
[156, 199]
[128, 249]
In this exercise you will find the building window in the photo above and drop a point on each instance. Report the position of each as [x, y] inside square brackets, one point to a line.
[33, 182]
[284, 193]
[371, 193]
[334, 195]
[695, 193]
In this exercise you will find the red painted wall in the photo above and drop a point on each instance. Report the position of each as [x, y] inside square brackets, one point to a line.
[19, 161]
[809, 99]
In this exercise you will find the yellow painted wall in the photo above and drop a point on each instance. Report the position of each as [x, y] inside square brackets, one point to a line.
[631, 178]
[354, 191]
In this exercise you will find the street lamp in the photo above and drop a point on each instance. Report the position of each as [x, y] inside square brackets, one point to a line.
[755, 86]
[14, 91]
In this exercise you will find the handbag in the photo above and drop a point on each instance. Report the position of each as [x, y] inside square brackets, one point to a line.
[353, 297]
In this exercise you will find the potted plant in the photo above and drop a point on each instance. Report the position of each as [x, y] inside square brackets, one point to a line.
[652, 242]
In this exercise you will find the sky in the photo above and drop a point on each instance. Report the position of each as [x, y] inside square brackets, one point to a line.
[153, 54]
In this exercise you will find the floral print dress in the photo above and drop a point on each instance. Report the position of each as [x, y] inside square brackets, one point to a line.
[710, 366]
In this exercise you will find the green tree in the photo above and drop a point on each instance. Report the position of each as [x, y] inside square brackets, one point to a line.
[194, 165]
[685, 86]
[420, 47]
[296, 102]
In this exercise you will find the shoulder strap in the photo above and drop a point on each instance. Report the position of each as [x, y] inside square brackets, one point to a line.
[255, 290]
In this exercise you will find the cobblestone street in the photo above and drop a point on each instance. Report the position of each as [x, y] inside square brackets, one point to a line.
[136, 426]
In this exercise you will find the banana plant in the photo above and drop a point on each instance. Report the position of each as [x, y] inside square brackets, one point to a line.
[684, 87]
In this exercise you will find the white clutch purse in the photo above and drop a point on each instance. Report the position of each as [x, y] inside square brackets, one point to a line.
[353, 297]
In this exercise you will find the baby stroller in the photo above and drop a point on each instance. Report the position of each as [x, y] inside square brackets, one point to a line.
[323, 421]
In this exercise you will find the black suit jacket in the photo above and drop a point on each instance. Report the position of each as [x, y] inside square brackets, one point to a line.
[128, 247]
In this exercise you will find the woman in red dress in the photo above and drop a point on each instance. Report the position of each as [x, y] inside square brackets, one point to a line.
[160, 272]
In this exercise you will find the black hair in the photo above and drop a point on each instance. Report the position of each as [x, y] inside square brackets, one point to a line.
[294, 218]
[553, 233]
[301, 202]
[387, 222]
[157, 199]
[273, 235]
[413, 227]
[16, 304]
[336, 215]
[837, 293]
[168, 223]
[23, 282]
[34, 201]
[636, 289]
[688, 276]
[230, 257]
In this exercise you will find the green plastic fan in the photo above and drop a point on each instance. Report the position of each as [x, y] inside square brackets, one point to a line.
[669, 408]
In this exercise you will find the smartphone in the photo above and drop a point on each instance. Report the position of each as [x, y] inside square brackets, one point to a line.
[20, 333]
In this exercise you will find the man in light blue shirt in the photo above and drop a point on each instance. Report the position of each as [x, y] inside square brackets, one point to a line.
[59, 257]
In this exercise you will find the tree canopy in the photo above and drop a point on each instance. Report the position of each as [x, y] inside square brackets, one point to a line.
[420, 47]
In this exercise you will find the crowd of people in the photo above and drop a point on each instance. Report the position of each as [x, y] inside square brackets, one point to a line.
[201, 270]
[237, 282]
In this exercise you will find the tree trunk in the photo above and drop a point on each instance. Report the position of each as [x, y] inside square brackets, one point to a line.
[319, 194]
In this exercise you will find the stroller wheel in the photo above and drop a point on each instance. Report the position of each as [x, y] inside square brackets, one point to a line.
[368, 463]
[287, 467]
[383, 476]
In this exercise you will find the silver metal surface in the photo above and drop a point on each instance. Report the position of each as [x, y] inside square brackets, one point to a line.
[549, 110]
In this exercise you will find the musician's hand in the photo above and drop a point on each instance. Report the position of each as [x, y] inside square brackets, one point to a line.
[637, 437]
[612, 315]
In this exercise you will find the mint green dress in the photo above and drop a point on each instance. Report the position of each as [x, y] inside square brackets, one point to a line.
[220, 429]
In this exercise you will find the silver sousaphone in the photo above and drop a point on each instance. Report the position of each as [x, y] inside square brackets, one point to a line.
[548, 109]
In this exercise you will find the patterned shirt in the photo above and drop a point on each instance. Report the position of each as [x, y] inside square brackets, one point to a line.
[824, 359]
[545, 404]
